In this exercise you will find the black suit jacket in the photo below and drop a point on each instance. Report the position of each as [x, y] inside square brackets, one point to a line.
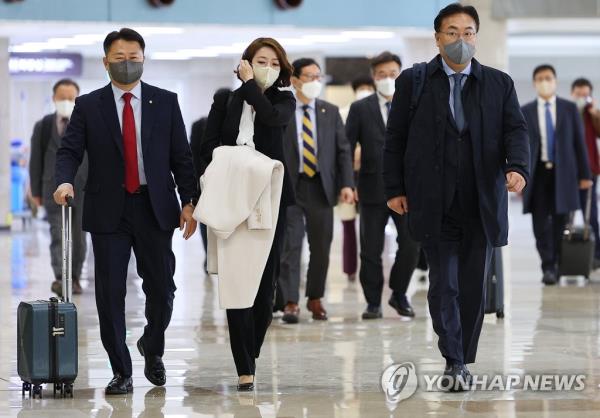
[365, 126]
[414, 151]
[571, 163]
[196, 135]
[94, 127]
[274, 110]
[333, 151]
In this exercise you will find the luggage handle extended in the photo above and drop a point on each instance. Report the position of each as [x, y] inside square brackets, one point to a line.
[586, 217]
[67, 249]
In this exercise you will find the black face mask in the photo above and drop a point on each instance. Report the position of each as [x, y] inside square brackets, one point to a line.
[126, 72]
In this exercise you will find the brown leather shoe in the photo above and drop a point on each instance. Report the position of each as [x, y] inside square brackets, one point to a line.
[316, 307]
[291, 313]
[77, 290]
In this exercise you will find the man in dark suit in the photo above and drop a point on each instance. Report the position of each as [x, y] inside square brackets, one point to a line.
[559, 167]
[448, 164]
[45, 141]
[366, 126]
[136, 143]
[318, 158]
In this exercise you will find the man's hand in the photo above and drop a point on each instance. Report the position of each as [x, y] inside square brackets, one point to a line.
[514, 182]
[187, 220]
[585, 184]
[398, 204]
[347, 195]
[61, 193]
[37, 201]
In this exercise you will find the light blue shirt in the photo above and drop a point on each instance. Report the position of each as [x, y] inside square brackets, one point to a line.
[449, 71]
[312, 112]
[136, 104]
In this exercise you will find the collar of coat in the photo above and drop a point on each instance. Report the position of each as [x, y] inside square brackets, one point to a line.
[436, 65]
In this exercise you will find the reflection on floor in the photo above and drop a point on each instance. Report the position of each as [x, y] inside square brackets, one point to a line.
[312, 369]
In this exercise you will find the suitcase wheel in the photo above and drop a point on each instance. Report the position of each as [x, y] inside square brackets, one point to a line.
[500, 314]
[58, 388]
[26, 388]
[37, 391]
[68, 390]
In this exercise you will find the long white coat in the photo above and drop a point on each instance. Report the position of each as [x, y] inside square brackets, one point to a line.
[239, 204]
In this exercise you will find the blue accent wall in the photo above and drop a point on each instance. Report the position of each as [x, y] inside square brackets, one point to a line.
[326, 13]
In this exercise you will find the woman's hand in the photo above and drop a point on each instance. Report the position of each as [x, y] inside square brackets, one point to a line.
[245, 70]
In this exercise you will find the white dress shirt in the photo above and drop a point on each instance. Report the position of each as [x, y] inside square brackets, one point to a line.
[136, 104]
[246, 130]
[383, 108]
[450, 72]
[542, 124]
[312, 112]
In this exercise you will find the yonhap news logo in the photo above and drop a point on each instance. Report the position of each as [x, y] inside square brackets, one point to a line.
[400, 381]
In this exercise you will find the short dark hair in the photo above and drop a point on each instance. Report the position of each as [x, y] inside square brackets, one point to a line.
[285, 68]
[582, 82]
[300, 63]
[454, 9]
[65, 82]
[125, 34]
[365, 80]
[543, 67]
[384, 58]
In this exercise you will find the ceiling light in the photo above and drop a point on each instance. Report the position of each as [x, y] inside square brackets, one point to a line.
[158, 30]
[368, 34]
[171, 56]
[336, 38]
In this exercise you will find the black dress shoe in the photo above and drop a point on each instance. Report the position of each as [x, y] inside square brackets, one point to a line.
[245, 387]
[372, 312]
[154, 369]
[549, 278]
[119, 385]
[457, 378]
[401, 305]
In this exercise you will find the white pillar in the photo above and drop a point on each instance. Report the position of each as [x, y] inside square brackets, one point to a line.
[4, 136]
[492, 37]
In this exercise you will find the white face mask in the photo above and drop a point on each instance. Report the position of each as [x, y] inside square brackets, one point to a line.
[545, 88]
[265, 76]
[386, 86]
[312, 90]
[361, 94]
[64, 108]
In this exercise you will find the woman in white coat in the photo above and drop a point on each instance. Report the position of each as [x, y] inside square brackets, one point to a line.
[263, 70]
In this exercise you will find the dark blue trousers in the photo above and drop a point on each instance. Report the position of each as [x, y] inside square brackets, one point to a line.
[138, 230]
[458, 264]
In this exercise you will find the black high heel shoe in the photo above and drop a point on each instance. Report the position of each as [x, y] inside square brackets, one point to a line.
[246, 387]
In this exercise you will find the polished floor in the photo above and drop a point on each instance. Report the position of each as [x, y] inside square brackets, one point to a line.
[326, 369]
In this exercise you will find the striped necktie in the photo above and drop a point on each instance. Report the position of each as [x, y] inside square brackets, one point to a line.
[309, 156]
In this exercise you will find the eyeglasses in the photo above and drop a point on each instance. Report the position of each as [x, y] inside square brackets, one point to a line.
[313, 77]
[468, 35]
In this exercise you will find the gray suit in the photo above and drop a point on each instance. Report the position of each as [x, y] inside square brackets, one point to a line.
[315, 199]
[43, 184]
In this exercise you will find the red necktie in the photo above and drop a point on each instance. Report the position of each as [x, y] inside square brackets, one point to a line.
[132, 177]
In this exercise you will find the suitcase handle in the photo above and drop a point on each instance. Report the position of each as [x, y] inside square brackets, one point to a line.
[67, 249]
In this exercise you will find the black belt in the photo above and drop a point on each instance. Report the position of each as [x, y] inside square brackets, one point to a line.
[143, 189]
[305, 176]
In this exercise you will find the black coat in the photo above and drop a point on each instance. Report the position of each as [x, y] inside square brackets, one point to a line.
[196, 136]
[94, 127]
[414, 152]
[571, 163]
[274, 111]
[365, 126]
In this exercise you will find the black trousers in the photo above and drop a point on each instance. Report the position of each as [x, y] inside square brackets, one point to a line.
[373, 220]
[458, 264]
[312, 215]
[248, 327]
[548, 226]
[138, 230]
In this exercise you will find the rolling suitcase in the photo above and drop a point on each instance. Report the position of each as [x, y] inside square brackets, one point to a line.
[47, 332]
[577, 246]
[494, 291]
